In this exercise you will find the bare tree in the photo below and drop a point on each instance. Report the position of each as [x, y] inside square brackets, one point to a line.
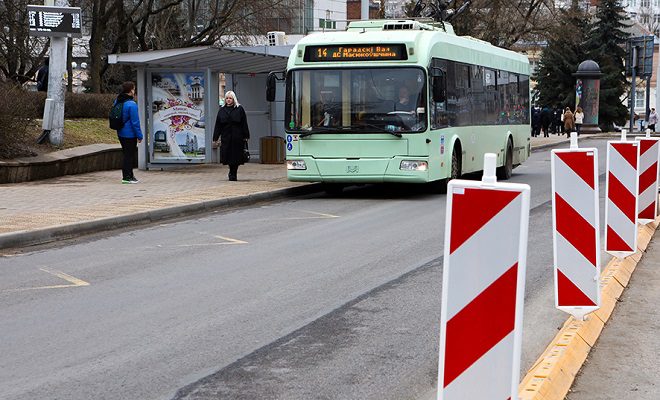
[647, 17]
[140, 25]
[20, 54]
[505, 22]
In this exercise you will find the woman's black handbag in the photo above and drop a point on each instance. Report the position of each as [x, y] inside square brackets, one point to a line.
[246, 152]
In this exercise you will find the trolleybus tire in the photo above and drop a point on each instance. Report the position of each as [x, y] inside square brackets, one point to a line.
[506, 170]
[440, 186]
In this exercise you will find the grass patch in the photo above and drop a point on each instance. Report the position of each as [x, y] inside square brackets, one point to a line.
[77, 132]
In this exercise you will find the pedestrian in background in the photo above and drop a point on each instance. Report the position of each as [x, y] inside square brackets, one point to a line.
[536, 121]
[42, 77]
[130, 134]
[546, 119]
[569, 121]
[231, 128]
[653, 119]
[579, 118]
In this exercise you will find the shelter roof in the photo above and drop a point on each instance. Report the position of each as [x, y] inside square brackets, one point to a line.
[260, 59]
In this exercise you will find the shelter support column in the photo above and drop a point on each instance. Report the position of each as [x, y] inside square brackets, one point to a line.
[211, 106]
[143, 103]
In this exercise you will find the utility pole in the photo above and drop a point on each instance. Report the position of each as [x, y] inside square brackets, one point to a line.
[57, 80]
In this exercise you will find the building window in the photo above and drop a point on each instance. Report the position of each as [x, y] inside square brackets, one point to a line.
[640, 98]
[645, 3]
[327, 24]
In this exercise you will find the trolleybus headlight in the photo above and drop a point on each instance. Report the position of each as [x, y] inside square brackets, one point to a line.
[296, 164]
[413, 165]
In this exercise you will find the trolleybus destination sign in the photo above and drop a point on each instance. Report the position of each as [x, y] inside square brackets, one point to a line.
[353, 52]
[54, 21]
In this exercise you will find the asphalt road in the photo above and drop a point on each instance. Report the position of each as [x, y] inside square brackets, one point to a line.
[313, 298]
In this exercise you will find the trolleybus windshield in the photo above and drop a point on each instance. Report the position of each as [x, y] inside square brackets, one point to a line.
[357, 100]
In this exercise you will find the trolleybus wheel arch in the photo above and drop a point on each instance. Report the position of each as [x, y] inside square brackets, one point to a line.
[455, 172]
[456, 161]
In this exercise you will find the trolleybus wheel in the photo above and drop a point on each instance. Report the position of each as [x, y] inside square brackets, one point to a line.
[505, 171]
[441, 185]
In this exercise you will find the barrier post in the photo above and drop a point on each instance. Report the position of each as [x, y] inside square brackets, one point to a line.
[576, 229]
[649, 155]
[483, 288]
[621, 197]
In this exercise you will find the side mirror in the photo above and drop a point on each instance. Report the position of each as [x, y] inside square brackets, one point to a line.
[438, 85]
[271, 81]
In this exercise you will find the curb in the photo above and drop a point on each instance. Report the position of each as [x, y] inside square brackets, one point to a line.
[68, 231]
[567, 140]
[552, 375]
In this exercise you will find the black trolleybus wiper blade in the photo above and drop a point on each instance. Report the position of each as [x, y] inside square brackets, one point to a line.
[316, 128]
[378, 128]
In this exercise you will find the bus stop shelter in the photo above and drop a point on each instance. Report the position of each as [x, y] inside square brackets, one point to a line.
[178, 96]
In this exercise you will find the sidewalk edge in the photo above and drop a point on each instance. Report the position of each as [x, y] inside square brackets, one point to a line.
[552, 375]
[72, 230]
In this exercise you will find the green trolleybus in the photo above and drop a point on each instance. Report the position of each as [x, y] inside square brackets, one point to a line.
[402, 101]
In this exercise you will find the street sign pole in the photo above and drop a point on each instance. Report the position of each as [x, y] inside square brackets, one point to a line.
[57, 80]
[56, 20]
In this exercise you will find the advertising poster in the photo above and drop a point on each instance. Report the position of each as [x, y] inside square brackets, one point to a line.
[178, 119]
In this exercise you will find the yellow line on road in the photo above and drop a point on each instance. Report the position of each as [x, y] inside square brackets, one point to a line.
[74, 282]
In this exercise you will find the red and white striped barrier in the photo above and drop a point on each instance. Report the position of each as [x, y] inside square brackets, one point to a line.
[483, 288]
[576, 229]
[621, 197]
[649, 154]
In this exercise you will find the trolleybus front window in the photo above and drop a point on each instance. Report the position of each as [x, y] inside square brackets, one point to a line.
[364, 100]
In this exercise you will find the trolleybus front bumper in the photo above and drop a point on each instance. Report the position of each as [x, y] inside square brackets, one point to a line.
[357, 170]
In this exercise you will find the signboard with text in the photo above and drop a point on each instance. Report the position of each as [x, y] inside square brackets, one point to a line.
[362, 52]
[54, 21]
[644, 53]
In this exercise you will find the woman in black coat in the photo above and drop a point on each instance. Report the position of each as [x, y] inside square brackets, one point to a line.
[231, 128]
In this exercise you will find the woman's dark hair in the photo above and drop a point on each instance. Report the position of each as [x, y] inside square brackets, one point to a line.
[126, 87]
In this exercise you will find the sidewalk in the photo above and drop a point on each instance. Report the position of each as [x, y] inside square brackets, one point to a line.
[624, 363]
[42, 211]
[68, 206]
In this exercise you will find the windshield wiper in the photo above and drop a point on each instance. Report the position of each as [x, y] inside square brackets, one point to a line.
[376, 127]
[345, 128]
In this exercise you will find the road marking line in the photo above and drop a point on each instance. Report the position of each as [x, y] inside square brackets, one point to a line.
[317, 215]
[321, 214]
[229, 240]
[74, 282]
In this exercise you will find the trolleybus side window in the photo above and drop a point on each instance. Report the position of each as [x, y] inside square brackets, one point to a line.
[477, 95]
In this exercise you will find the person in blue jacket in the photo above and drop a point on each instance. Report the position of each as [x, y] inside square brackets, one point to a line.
[130, 134]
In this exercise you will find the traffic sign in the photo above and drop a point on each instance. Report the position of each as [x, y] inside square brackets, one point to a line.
[576, 229]
[54, 21]
[621, 197]
[649, 154]
[483, 288]
[639, 55]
